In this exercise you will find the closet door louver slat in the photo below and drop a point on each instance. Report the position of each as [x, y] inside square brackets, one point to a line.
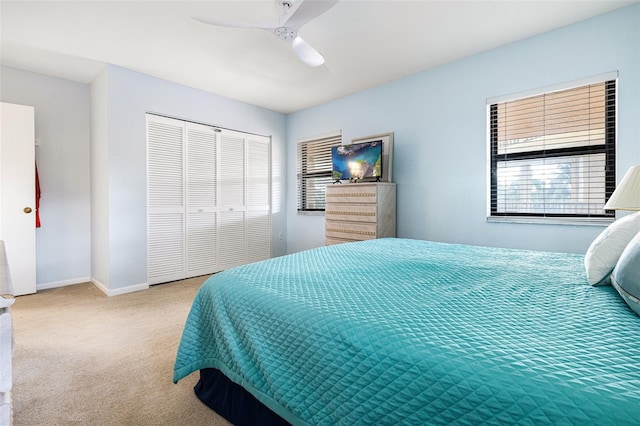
[258, 236]
[201, 166]
[231, 167]
[166, 248]
[232, 244]
[165, 172]
[202, 244]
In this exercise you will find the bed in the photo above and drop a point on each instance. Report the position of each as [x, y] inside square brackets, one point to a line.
[399, 331]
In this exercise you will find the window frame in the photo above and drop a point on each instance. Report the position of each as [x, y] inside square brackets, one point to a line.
[304, 176]
[608, 149]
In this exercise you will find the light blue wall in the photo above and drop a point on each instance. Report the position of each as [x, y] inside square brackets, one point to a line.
[100, 250]
[62, 126]
[129, 96]
[438, 118]
[92, 166]
[439, 121]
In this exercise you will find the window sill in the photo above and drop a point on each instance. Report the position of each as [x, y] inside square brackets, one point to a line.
[311, 213]
[587, 221]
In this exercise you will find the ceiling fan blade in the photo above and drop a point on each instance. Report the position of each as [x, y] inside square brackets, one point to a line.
[232, 24]
[306, 53]
[297, 14]
[306, 11]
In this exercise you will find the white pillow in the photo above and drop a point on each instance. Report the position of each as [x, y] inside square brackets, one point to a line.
[626, 275]
[605, 250]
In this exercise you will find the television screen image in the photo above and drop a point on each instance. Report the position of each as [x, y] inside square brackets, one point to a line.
[357, 161]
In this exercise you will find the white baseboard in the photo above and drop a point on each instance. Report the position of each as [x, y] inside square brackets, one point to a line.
[98, 284]
[62, 283]
[119, 291]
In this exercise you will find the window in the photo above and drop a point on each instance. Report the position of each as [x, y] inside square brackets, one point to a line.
[553, 154]
[314, 171]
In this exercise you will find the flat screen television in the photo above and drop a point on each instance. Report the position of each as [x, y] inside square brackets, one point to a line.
[362, 161]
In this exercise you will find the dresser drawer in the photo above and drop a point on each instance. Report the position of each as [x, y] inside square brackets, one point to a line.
[351, 212]
[350, 230]
[331, 241]
[351, 194]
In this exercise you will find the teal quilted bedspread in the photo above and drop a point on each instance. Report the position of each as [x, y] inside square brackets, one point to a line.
[397, 331]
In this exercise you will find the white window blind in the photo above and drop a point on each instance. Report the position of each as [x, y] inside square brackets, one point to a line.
[553, 154]
[314, 171]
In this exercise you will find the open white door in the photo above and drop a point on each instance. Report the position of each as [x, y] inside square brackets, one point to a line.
[17, 194]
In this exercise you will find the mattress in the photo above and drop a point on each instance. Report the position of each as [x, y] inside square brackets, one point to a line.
[398, 331]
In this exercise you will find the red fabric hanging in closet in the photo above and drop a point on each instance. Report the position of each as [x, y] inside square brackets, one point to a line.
[37, 199]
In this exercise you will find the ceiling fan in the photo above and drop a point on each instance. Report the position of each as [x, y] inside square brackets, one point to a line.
[296, 14]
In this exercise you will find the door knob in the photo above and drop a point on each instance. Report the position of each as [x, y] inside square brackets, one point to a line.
[27, 210]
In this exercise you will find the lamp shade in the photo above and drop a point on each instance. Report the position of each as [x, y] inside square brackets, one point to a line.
[627, 194]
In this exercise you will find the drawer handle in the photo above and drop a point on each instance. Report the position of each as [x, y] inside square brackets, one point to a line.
[351, 213]
[357, 194]
[352, 231]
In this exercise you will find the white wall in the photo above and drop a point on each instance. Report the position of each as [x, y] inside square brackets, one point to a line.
[62, 126]
[439, 120]
[129, 96]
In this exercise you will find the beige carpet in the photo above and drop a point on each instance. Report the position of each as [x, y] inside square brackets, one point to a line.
[83, 358]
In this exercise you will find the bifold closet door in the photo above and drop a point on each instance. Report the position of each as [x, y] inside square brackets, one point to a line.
[244, 222]
[165, 199]
[182, 225]
[258, 198]
[201, 226]
[232, 246]
[208, 199]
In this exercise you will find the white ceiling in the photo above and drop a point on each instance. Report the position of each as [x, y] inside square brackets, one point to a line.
[365, 43]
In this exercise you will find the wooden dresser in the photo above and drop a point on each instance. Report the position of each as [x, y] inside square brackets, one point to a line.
[360, 211]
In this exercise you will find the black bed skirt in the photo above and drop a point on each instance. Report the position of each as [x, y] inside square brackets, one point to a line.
[232, 401]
